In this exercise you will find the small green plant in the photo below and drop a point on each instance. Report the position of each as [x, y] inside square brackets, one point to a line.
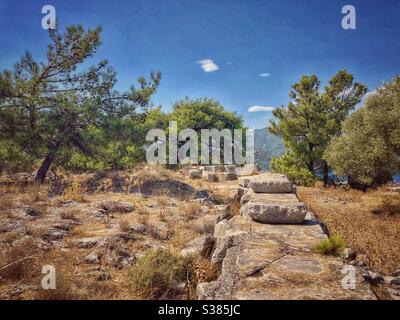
[334, 246]
[157, 275]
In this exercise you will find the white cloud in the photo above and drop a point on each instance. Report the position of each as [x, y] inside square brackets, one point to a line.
[208, 65]
[265, 75]
[260, 108]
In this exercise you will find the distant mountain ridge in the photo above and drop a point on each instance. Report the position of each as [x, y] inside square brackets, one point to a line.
[266, 146]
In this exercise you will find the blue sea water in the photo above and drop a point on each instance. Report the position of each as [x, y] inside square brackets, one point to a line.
[396, 178]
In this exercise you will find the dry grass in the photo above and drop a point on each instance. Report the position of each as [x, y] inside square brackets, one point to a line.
[124, 226]
[17, 262]
[203, 226]
[68, 215]
[353, 214]
[181, 237]
[163, 201]
[191, 210]
[388, 204]
[74, 192]
[6, 205]
[141, 210]
[153, 172]
[157, 274]
[143, 219]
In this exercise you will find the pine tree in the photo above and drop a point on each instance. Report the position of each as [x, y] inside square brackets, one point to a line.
[313, 118]
[48, 106]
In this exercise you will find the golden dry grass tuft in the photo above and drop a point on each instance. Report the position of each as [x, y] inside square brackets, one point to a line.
[124, 225]
[16, 264]
[157, 275]
[191, 210]
[6, 205]
[75, 191]
[352, 214]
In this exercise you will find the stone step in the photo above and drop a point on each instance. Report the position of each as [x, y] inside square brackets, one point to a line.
[276, 262]
[268, 198]
[271, 183]
[275, 213]
[274, 208]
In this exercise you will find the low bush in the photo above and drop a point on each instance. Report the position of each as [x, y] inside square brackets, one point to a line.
[158, 274]
[333, 246]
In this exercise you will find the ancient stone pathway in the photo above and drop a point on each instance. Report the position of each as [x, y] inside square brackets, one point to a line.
[268, 251]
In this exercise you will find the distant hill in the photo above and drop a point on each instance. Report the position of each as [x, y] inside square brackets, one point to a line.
[266, 146]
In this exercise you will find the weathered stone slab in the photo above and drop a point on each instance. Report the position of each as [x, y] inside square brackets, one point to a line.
[227, 176]
[250, 195]
[230, 168]
[270, 262]
[215, 168]
[210, 176]
[274, 208]
[195, 174]
[246, 170]
[244, 181]
[199, 246]
[271, 183]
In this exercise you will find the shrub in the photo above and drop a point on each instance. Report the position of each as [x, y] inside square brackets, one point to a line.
[333, 246]
[18, 262]
[156, 275]
[75, 192]
[124, 226]
[295, 171]
[367, 151]
[388, 205]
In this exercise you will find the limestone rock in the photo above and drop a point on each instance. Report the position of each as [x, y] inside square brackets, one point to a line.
[199, 246]
[201, 194]
[350, 254]
[271, 183]
[230, 168]
[221, 247]
[116, 206]
[90, 242]
[244, 181]
[222, 212]
[210, 176]
[195, 174]
[275, 209]
[246, 170]
[275, 262]
[215, 168]
[227, 176]
[92, 258]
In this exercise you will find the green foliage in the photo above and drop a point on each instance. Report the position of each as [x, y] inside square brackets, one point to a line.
[157, 273]
[50, 110]
[313, 117]
[297, 173]
[13, 158]
[204, 114]
[334, 246]
[368, 151]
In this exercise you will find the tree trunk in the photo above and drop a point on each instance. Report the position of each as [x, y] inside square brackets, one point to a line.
[325, 173]
[47, 161]
[310, 166]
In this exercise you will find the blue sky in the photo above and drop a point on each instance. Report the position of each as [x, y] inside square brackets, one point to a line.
[282, 39]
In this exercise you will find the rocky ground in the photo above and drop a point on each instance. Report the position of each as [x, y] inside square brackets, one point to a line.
[369, 223]
[246, 239]
[93, 228]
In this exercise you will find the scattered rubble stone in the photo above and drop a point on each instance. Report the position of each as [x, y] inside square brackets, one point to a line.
[199, 246]
[92, 258]
[116, 206]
